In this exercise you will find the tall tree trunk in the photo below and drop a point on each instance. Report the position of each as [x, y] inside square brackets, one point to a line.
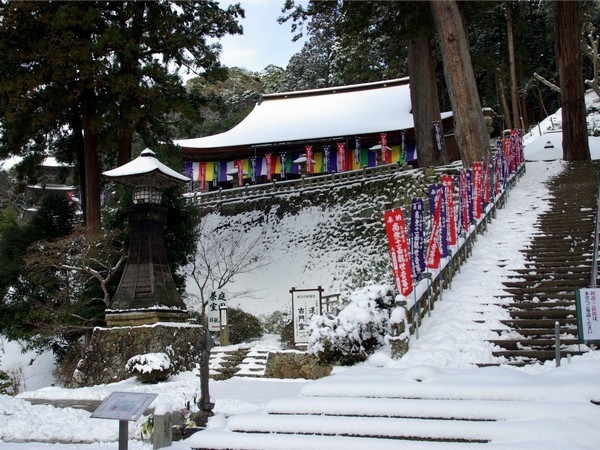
[471, 135]
[503, 102]
[424, 99]
[568, 58]
[514, 87]
[91, 167]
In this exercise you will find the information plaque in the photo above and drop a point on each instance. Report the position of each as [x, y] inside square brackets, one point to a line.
[124, 406]
[588, 317]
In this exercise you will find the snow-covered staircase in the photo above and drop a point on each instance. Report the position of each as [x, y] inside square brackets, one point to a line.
[239, 361]
[417, 408]
[558, 261]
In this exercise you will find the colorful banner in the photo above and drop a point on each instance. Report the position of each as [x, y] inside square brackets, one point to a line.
[477, 189]
[341, 157]
[238, 164]
[439, 136]
[398, 243]
[434, 250]
[269, 166]
[386, 155]
[202, 176]
[403, 149]
[463, 200]
[470, 194]
[450, 213]
[309, 159]
[282, 156]
[417, 236]
[216, 174]
[437, 194]
[326, 152]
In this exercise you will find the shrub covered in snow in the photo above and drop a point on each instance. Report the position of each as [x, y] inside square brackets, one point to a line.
[150, 367]
[357, 330]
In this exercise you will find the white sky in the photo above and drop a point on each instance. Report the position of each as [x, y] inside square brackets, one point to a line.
[264, 41]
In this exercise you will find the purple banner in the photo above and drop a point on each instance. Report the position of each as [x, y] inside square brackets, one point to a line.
[417, 237]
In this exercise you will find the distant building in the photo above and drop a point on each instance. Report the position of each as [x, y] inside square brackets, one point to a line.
[317, 131]
[53, 177]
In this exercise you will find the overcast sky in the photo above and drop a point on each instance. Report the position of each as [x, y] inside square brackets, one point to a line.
[264, 41]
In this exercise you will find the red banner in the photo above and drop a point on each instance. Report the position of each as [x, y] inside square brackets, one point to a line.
[477, 189]
[451, 226]
[309, 161]
[239, 165]
[434, 251]
[202, 176]
[341, 157]
[386, 156]
[395, 228]
[464, 199]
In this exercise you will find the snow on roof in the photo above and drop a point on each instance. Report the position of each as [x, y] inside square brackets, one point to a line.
[145, 169]
[319, 113]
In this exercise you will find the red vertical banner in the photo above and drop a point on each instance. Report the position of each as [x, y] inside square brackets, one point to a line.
[395, 228]
[451, 226]
[386, 156]
[434, 251]
[202, 176]
[477, 189]
[268, 162]
[464, 199]
[309, 159]
[341, 157]
[239, 165]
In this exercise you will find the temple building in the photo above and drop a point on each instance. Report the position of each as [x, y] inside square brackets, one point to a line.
[311, 132]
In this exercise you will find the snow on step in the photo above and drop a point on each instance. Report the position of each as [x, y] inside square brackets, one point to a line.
[424, 408]
[476, 410]
[431, 429]
[221, 439]
[426, 382]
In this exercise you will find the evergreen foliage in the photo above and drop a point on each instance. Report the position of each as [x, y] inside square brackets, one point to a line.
[243, 326]
[81, 79]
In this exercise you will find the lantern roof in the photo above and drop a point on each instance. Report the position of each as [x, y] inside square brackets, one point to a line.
[146, 170]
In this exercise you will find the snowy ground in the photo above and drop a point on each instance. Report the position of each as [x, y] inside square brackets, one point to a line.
[449, 342]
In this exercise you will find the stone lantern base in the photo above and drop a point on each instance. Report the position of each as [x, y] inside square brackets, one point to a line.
[144, 317]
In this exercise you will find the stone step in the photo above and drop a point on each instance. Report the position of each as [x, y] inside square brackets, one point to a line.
[532, 343]
[536, 355]
[540, 313]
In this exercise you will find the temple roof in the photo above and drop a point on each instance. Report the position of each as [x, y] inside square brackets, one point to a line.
[319, 113]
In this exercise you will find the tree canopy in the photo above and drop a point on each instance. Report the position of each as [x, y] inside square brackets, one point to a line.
[81, 79]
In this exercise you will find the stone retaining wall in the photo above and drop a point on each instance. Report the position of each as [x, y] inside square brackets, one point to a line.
[110, 349]
[294, 364]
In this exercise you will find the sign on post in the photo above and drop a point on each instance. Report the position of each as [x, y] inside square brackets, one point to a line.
[588, 307]
[123, 406]
[216, 301]
[305, 304]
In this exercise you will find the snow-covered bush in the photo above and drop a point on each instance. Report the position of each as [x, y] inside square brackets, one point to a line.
[357, 330]
[150, 367]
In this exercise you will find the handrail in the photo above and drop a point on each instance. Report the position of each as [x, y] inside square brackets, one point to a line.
[594, 275]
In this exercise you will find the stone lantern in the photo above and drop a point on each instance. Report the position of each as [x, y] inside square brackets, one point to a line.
[146, 293]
